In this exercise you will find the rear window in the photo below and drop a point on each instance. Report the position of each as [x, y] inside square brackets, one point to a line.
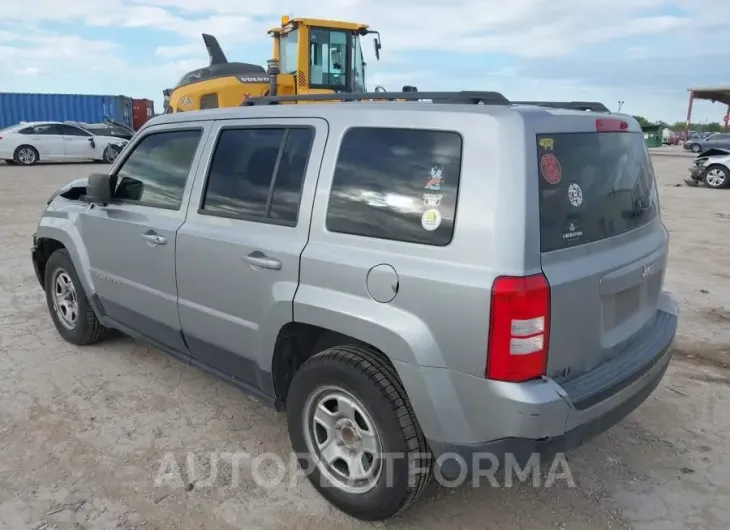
[593, 186]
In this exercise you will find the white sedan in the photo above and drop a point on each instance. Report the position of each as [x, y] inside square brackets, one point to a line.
[30, 143]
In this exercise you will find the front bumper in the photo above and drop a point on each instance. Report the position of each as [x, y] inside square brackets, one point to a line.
[543, 418]
[36, 253]
[696, 175]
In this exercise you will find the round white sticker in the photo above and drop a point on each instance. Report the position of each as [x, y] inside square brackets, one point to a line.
[575, 195]
[431, 219]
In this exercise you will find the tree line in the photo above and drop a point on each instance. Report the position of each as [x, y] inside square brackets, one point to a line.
[713, 126]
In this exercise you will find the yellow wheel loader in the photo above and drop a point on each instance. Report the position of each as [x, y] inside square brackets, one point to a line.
[310, 56]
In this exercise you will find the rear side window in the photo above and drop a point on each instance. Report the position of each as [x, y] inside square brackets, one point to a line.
[156, 172]
[398, 184]
[593, 186]
[257, 174]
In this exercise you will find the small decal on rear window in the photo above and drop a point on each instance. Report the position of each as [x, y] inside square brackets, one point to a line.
[434, 181]
[547, 143]
[431, 220]
[575, 194]
[432, 200]
[550, 168]
[572, 232]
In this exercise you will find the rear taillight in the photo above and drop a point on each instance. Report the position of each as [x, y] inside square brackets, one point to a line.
[519, 328]
[611, 125]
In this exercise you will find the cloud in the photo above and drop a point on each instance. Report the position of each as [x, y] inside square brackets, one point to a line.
[572, 48]
[28, 71]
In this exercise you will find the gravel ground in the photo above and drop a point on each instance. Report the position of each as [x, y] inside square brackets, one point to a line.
[85, 433]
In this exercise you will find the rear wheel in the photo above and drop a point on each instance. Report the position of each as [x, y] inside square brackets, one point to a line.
[26, 155]
[717, 177]
[695, 148]
[355, 433]
[70, 310]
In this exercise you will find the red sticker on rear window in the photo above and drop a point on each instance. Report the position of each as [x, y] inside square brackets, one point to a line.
[550, 168]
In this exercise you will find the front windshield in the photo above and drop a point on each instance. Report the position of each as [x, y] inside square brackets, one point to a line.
[358, 65]
[328, 58]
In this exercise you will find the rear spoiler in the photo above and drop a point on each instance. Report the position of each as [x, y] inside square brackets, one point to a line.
[593, 106]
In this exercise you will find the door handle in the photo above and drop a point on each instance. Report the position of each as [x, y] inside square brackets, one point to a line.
[154, 239]
[259, 259]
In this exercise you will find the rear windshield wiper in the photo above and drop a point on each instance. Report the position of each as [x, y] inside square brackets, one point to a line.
[639, 209]
[636, 212]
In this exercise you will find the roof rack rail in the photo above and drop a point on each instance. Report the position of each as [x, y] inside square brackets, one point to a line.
[593, 106]
[468, 97]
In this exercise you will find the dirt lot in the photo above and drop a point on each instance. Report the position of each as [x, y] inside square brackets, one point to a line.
[84, 431]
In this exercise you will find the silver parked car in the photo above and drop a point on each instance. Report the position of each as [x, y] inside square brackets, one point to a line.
[711, 167]
[439, 282]
[711, 141]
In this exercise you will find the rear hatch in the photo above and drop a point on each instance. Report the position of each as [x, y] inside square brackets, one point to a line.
[603, 246]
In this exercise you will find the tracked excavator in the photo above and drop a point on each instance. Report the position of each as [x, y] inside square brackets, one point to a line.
[310, 56]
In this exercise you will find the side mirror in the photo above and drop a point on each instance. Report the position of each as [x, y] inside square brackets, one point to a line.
[377, 45]
[99, 188]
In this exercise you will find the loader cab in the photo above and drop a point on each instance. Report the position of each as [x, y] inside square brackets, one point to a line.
[319, 56]
[310, 56]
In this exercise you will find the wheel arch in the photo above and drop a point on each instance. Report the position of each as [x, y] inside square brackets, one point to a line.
[51, 238]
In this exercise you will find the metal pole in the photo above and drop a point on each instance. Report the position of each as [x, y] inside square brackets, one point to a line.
[689, 114]
[727, 117]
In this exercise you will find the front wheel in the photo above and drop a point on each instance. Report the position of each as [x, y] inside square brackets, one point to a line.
[717, 177]
[70, 310]
[695, 148]
[355, 433]
[111, 153]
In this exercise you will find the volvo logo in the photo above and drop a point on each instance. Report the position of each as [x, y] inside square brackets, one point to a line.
[648, 270]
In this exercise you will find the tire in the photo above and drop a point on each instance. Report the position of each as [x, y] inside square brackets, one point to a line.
[86, 328]
[361, 375]
[717, 177]
[26, 155]
[111, 153]
[695, 148]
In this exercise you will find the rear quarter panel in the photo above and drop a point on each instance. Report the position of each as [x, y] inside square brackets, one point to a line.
[440, 315]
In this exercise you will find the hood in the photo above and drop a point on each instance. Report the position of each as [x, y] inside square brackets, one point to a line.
[715, 152]
[116, 139]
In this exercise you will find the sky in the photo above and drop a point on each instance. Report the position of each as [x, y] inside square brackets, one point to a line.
[645, 53]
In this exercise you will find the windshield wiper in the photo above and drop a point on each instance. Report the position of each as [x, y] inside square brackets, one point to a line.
[640, 207]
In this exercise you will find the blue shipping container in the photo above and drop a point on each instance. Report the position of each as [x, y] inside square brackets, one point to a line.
[17, 107]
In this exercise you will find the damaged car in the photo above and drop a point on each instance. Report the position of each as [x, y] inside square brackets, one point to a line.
[711, 167]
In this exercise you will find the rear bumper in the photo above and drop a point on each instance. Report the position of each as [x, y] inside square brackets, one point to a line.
[517, 421]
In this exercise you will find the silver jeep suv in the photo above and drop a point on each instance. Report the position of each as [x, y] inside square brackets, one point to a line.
[420, 285]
